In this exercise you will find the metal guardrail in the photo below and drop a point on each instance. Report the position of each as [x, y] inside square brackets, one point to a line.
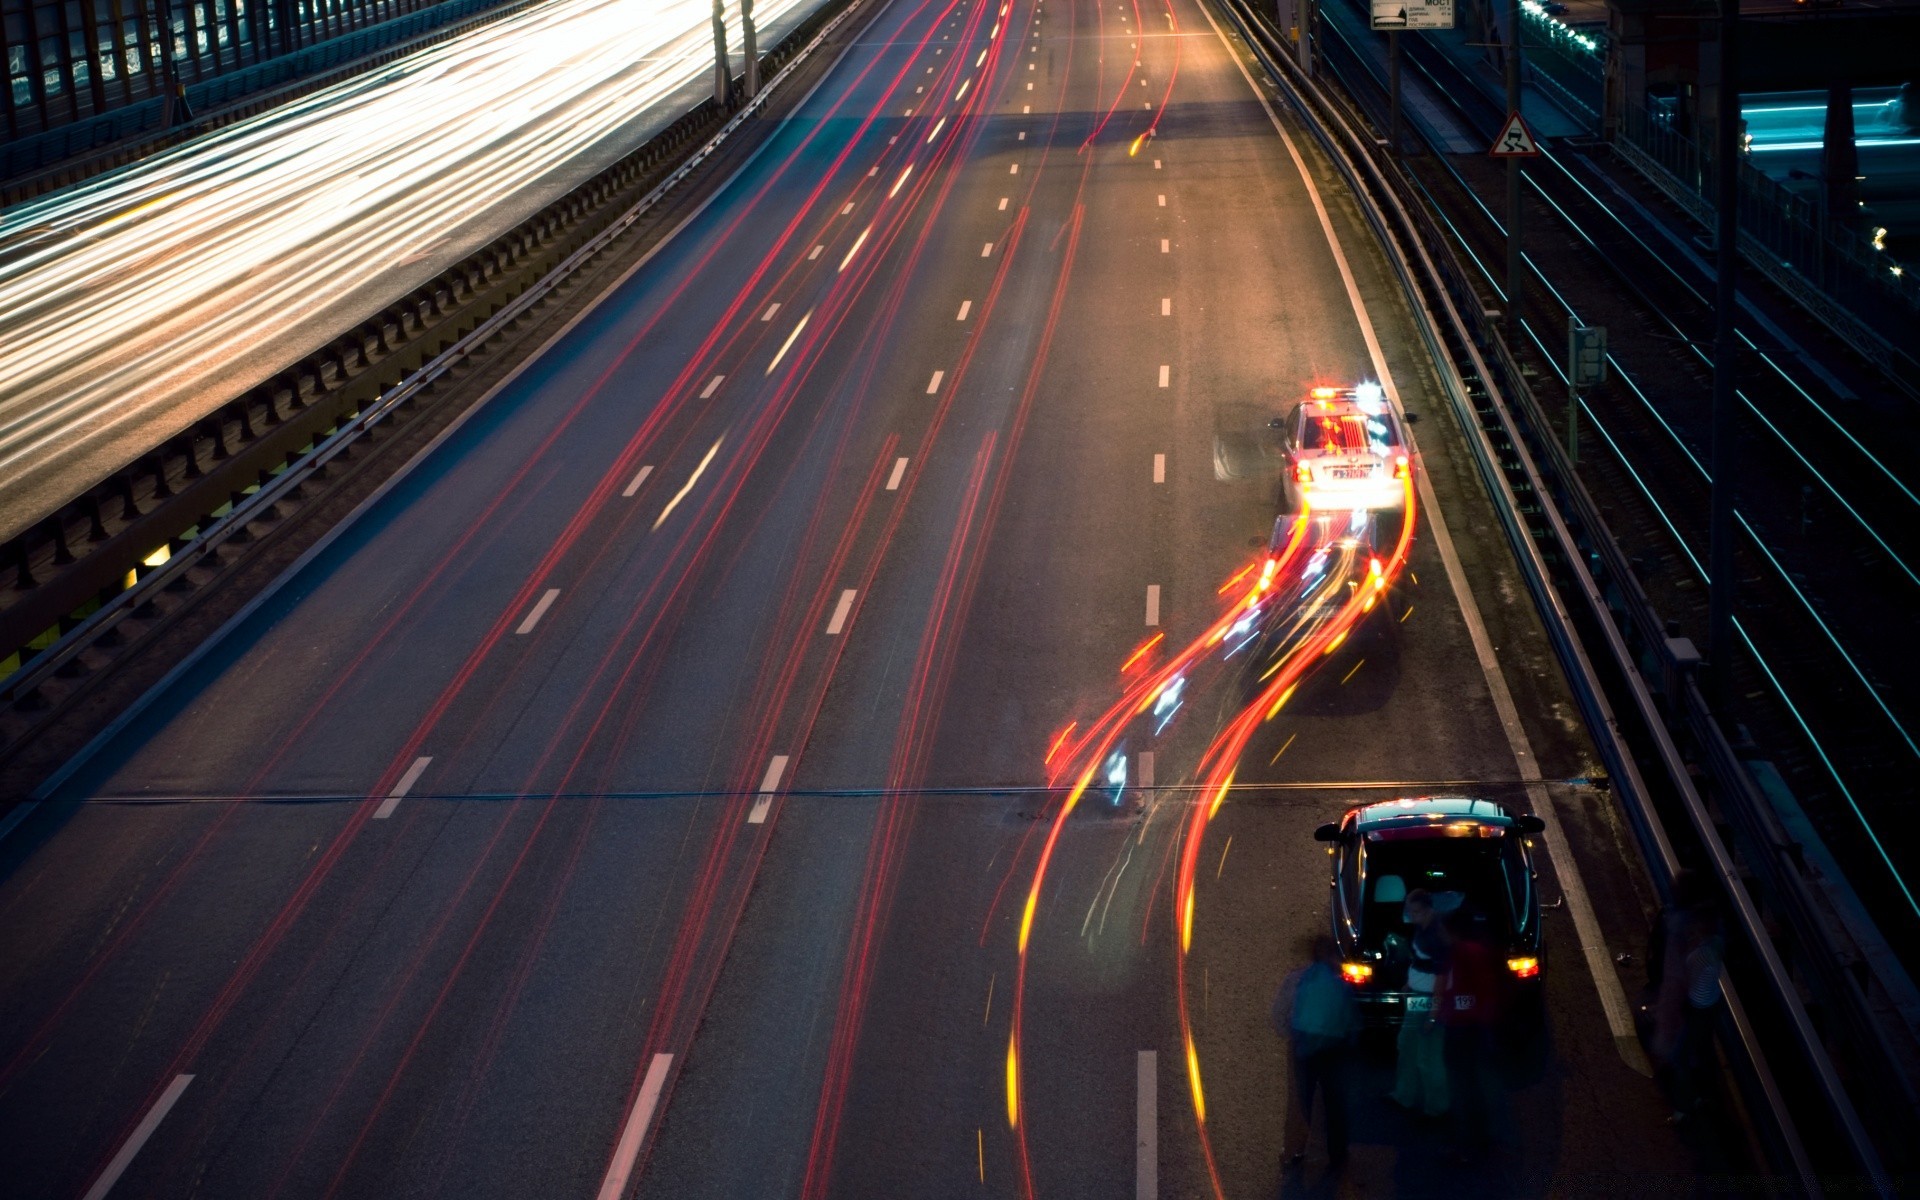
[67, 649]
[1527, 475]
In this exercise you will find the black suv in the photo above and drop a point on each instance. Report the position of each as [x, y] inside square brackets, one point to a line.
[1468, 853]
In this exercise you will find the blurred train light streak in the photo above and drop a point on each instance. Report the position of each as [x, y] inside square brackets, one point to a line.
[939, 125]
[895, 189]
[691, 480]
[1013, 1081]
[965, 84]
[1059, 742]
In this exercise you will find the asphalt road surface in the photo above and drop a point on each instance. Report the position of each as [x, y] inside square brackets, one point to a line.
[649, 794]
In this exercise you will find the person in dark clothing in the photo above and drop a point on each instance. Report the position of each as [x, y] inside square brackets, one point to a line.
[1420, 1076]
[1691, 944]
[1469, 1013]
[1315, 1011]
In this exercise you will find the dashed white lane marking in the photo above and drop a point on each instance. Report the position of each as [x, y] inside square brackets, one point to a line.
[540, 608]
[769, 784]
[138, 1137]
[1146, 1130]
[771, 309]
[639, 478]
[966, 306]
[815, 253]
[1029, 66]
[933, 385]
[1003, 204]
[918, 90]
[620, 1169]
[1026, 108]
[1166, 306]
[1163, 202]
[1166, 246]
[405, 785]
[1143, 769]
[899, 469]
[1156, 164]
[847, 209]
[1153, 604]
[840, 611]
[986, 251]
[872, 171]
[1023, 136]
[1606, 981]
[1159, 468]
[1029, 87]
[1013, 168]
[1166, 374]
[713, 385]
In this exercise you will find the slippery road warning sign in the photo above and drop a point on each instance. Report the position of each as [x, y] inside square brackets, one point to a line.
[1515, 140]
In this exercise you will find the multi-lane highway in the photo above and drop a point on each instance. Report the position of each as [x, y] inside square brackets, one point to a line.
[133, 306]
[649, 794]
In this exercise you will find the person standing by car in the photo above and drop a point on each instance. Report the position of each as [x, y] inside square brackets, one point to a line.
[1420, 1073]
[1468, 1012]
[1316, 1012]
[1687, 1002]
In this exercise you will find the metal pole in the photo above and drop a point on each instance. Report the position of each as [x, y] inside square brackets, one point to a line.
[722, 77]
[749, 37]
[1726, 469]
[1306, 37]
[1573, 424]
[1514, 265]
[1393, 91]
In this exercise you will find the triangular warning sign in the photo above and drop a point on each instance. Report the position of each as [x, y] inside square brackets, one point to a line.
[1515, 140]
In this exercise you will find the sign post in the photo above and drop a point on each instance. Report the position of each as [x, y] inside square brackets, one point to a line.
[1394, 16]
[1586, 369]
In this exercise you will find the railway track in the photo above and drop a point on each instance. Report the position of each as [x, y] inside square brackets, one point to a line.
[1830, 554]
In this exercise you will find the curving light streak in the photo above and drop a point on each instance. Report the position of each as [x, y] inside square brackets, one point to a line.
[136, 303]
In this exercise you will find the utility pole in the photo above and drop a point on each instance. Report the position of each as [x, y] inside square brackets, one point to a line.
[751, 40]
[1726, 468]
[1393, 92]
[1514, 265]
[722, 77]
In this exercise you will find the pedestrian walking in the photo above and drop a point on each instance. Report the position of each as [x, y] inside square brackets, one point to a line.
[1692, 946]
[1316, 1012]
[1468, 1012]
[1420, 1072]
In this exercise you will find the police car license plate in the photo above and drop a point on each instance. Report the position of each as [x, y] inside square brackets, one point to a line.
[1420, 1003]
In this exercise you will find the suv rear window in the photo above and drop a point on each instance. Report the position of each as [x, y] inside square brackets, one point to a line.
[1473, 865]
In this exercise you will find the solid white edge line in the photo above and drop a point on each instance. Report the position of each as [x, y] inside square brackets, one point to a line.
[138, 1138]
[1613, 997]
[639, 478]
[621, 1168]
[1153, 604]
[840, 611]
[1159, 468]
[540, 608]
[769, 784]
[1146, 1129]
[401, 789]
[127, 715]
[893, 484]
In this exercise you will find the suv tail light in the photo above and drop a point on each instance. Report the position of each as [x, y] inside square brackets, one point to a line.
[1302, 473]
[1356, 972]
[1524, 968]
[1402, 468]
